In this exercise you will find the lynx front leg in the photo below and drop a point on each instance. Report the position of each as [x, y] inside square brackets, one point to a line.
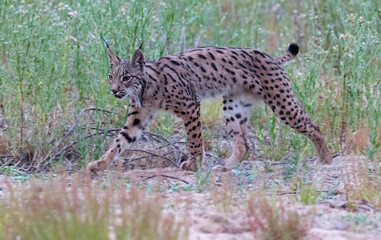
[192, 123]
[137, 120]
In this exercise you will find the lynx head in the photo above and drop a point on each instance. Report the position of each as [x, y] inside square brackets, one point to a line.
[126, 78]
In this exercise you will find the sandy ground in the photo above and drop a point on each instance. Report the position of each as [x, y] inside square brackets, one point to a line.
[207, 218]
[220, 213]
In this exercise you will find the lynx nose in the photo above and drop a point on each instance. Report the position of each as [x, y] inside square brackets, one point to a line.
[114, 91]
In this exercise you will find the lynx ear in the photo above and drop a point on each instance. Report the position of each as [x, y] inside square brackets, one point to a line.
[113, 59]
[138, 58]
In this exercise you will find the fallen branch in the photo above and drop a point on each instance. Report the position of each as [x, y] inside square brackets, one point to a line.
[167, 176]
[71, 129]
[153, 154]
[75, 123]
[158, 137]
[69, 146]
[25, 155]
[6, 163]
[345, 204]
[102, 132]
[38, 147]
[54, 153]
[166, 140]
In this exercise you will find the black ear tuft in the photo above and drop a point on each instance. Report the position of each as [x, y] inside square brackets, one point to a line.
[106, 44]
[141, 45]
[293, 48]
[104, 41]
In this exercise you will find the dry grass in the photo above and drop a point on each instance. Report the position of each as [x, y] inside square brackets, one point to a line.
[151, 204]
[84, 209]
[358, 141]
[362, 183]
[272, 221]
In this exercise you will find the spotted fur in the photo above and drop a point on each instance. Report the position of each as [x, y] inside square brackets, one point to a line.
[178, 83]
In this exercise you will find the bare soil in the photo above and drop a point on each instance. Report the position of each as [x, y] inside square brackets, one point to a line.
[221, 213]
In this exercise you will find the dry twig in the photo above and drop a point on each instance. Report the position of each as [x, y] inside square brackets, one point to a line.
[48, 157]
[153, 154]
[167, 176]
[75, 123]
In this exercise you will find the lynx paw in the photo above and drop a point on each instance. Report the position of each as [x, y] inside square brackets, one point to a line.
[231, 162]
[189, 165]
[219, 168]
[96, 166]
[325, 158]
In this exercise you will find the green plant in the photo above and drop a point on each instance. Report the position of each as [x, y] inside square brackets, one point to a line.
[201, 178]
[211, 111]
[267, 167]
[244, 177]
[308, 194]
[164, 125]
[14, 173]
[292, 166]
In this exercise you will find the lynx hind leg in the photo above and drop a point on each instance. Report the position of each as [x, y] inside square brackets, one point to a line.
[303, 124]
[236, 113]
[280, 97]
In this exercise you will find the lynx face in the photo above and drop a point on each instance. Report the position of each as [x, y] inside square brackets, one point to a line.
[126, 77]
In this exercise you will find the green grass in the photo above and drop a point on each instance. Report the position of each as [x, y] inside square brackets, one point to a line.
[53, 63]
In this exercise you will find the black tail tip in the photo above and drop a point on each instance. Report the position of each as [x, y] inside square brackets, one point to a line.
[293, 48]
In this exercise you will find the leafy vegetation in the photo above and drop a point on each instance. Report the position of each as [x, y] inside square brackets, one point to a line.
[54, 64]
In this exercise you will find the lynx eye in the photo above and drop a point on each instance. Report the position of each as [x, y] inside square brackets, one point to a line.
[126, 78]
[110, 77]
